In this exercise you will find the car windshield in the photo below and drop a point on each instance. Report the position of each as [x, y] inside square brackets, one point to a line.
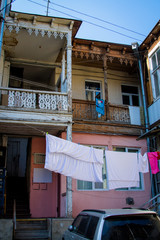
[131, 228]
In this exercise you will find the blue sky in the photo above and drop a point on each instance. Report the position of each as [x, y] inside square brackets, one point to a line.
[103, 20]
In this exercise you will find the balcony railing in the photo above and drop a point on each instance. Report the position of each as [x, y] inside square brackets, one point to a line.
[33, 99]
[86, 110]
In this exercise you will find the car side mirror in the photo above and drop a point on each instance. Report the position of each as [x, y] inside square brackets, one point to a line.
[70, 228]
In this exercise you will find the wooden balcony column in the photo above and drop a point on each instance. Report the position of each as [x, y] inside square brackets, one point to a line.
[63, 78]
[69, 180]
[105, 82]
[69, 128]
[69, 71]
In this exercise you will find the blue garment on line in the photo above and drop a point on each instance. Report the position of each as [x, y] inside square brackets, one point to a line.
[100, 106]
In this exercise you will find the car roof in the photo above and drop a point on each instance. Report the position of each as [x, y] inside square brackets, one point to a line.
[118, 212]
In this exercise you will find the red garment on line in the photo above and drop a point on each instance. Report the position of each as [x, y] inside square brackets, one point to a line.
[153, 159]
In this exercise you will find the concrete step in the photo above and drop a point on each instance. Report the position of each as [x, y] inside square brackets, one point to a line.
[31, 234]
[30, 229]
[31, 225]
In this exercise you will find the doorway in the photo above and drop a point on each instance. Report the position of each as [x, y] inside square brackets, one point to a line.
[17, 180]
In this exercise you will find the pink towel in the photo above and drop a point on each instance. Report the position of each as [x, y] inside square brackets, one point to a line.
[153, 159]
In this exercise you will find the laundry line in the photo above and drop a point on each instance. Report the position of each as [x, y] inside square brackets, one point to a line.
[85, 163]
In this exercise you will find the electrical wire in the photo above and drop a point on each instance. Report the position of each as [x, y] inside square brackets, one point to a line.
[91, 23]
[96, 18]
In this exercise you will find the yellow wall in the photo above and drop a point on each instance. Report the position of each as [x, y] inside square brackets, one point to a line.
[115, 80]
[79, 75]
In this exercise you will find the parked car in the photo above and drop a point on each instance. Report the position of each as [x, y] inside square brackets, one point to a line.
[115, 224]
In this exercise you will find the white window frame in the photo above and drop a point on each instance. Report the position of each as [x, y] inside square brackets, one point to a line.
[94, 90]
[150, 55]
[141, 175]
[130, 95]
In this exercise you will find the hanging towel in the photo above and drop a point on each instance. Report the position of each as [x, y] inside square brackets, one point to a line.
[74, 160]
[143, 163]
[122, 169]
[153, 160]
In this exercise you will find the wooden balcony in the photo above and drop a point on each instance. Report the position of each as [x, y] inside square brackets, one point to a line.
[33, 112]
[86, 110]
[34, 99]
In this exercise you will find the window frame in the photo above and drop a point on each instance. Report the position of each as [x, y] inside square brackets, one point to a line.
[154, 71]
[130, 95]
[93, 90]
[141, 174]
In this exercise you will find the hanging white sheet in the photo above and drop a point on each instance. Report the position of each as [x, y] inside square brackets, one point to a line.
[143, 163]
[74, 160]
[122, 169]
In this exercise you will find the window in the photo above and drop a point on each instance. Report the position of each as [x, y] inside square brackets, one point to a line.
[85, 225]
[130, 95]
[131, 227]
[131, 150]
[93, 90]
[85, 185]
[155, 72]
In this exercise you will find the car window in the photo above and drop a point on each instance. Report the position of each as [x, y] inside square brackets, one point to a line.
[131, 227]
[80, 224]
[92, 227]
[85, 225]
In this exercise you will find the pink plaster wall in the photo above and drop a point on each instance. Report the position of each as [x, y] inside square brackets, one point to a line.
[109, 199]
[43, 196]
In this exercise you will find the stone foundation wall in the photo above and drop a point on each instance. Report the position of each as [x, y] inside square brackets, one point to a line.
[59, 226]
[6, 229]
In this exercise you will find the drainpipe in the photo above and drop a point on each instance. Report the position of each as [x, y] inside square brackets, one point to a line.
[136, 52]
[3, 6]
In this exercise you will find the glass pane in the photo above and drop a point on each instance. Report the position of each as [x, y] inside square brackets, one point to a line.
[126, 100]
[89, 95]
[135, 100]
[154, 65]
[158, 56]
[98, 185]
[156, 84]
[131, 227]
[92, 227]
[92, 85]
[119, 149]
[76, 223]
[84, 185]
[132, 150]
[129, 89]
[81, 229]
